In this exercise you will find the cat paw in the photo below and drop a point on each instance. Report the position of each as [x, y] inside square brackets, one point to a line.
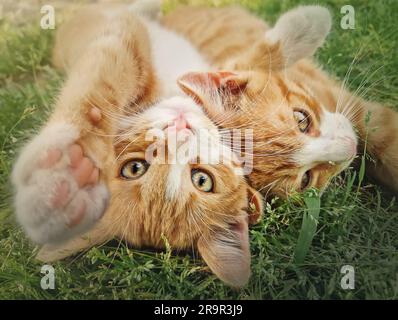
[58, 193]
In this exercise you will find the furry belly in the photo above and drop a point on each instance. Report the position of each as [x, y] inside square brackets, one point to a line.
[172, 56]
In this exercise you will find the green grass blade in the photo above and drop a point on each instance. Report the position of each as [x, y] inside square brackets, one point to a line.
[308, 227]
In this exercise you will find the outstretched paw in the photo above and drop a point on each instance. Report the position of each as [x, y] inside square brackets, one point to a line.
[58, 190]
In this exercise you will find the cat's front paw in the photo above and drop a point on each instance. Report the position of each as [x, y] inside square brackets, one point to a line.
[58, 193]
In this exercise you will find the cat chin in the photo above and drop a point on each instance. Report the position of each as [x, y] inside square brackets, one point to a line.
[171, 107]
[160, 115]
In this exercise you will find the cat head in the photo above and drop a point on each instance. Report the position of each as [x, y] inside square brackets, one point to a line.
[168, 190]
[298, 143]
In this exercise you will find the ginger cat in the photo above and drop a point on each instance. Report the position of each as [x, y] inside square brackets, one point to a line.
[88, 166]
[114, 83]
[303, 121]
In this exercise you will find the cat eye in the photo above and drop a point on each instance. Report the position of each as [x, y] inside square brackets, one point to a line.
[303, 120]
[134, 169]
[202, 180]
[305, 180]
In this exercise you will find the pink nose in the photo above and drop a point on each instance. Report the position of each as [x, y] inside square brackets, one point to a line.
[179, 123]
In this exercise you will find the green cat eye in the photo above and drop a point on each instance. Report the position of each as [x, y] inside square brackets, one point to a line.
[303, 120]
[202, 180]
[134, 169]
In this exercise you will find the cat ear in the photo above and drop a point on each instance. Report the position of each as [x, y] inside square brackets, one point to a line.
[255, 205]
[227, 253]
[212, 87]
[300, 32]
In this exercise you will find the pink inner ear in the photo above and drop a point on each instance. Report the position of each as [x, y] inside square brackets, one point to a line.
[204, 86]
[220, 75]
[220, 81]
[209, 80]
[206, 80]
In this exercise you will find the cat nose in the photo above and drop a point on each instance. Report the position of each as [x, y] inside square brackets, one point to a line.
[180, 123]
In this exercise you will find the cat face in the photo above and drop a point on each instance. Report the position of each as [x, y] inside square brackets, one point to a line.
[298, 144]
[307, 145]
[170, 192]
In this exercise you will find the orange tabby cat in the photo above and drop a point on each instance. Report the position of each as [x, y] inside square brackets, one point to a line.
[302, 119]
[89, 162]
[297, 143]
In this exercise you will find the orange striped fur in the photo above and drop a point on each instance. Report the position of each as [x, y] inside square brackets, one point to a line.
[233, 39]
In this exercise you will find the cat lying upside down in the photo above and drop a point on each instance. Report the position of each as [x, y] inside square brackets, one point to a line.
[303, 121]
[91, 155]
[122, 75]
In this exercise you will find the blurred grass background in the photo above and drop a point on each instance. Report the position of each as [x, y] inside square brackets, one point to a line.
[357, 226]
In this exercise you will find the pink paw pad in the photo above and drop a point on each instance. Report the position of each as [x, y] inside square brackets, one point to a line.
[77, 216]
[82, 168]
[95, 115]
[61, 194]
[50, 159]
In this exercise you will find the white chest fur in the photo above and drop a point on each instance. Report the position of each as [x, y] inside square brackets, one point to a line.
[172, 56]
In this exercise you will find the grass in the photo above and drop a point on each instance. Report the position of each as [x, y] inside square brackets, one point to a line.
[357, 223]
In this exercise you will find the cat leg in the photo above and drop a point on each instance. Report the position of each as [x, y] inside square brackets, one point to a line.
[61, 175]
[378, 129]
[97, 236]
[58, 192]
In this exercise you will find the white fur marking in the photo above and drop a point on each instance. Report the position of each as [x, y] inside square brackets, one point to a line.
[335, 143]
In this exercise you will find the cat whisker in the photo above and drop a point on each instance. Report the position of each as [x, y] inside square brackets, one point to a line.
[269, 187]
[354, 108]
[346, 78]
[355, 95]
